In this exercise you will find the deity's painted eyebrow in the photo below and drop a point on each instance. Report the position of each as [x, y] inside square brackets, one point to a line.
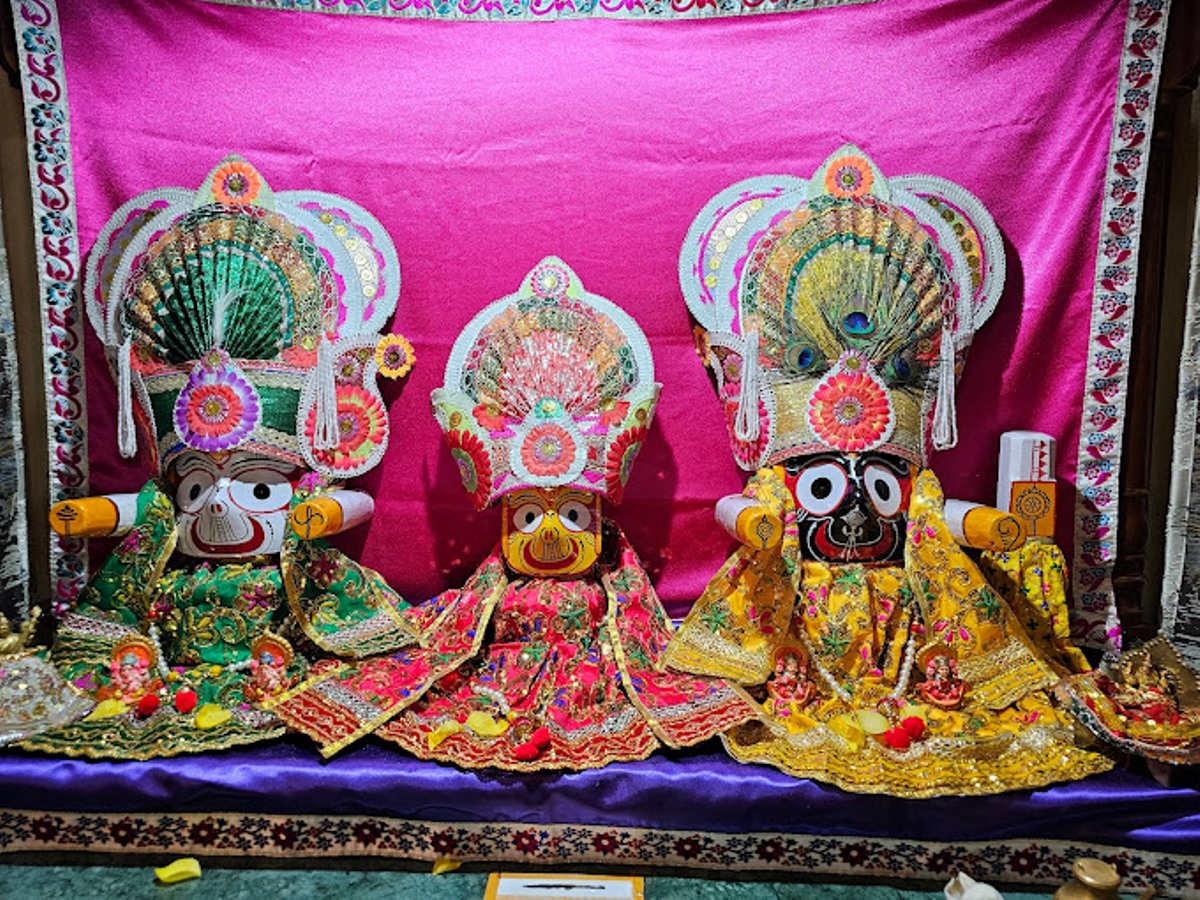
[278, 466]
[526, 496]
[189, 464]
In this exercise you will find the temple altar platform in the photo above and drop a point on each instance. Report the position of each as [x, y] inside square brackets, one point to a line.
[688, 810]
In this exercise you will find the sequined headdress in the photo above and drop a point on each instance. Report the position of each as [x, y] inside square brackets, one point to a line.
[833, 311]
[551, 386]
[240, 318]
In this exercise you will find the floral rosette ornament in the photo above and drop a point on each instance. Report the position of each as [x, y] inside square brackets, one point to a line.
[850, 408]
[218, 407]
[549, 387]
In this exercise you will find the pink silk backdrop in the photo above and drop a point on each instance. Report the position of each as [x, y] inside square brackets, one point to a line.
[483, 147]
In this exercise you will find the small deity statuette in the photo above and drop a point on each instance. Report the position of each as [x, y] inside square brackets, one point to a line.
[1148, 692]
[15, 644]
[790, 688]
[942, 686]
[132, 670]
[270, 658]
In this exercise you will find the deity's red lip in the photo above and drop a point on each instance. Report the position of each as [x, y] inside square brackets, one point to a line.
[245, 548]
[534, 563]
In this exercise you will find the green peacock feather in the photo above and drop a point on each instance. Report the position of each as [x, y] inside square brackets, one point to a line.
[268, 277]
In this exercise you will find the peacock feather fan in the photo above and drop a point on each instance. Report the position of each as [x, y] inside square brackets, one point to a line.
[239, 277]
[568, 354]
[848, 274]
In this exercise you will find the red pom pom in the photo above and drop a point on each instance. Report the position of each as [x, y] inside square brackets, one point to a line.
[540, 738]
[147, 705]
[897, 738]
[526, 752]
[185, 700]
[915, 726]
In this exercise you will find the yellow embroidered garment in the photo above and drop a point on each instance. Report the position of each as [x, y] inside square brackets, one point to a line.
[860, 629]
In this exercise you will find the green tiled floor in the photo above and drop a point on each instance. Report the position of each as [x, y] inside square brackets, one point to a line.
[115, 883]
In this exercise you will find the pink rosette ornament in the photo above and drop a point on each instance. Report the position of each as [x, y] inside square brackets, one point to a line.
[218, 408]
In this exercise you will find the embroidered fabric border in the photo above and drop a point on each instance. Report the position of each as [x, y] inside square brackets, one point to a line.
[545, 10]
[14, 543]
[48, 144]
[1015, 861]
[1181, 578]
[1094, 620]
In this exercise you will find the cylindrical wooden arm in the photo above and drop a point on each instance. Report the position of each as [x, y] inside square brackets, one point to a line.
[750, 522]
[984, 527]
[331, 513]
[101, 516]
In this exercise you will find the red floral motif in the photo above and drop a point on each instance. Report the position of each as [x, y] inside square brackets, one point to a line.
[368, 832]
[615, 414]
[850, 409]
[606, 843]
[204, 833]
[489, 417]
[688, 847]
[284, 835]
[548, 450]
[443, 842]
[473, 465]
[323, 570]
[362, 426]
[526, 841]
[123, 832]
[236, 182]
[620, 460]
[218, 407]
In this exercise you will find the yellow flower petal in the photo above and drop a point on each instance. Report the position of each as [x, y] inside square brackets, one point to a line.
[846, 726]
[444, 864]
[106, 709]
[180, 870]
[210, 715]
[871, 721]
[442, 732]
[485, 726]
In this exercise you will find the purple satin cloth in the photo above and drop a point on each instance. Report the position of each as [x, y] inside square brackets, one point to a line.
[701, 789]
[484, 147]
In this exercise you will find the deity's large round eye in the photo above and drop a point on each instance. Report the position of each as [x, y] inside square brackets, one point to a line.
[261, 490]
[527, 517]
[821, 488]
[575, 515]
[192, 492]
[883, 487]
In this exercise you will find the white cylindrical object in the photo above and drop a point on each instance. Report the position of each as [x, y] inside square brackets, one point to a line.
[357, 507]
[956, 513]
[728, 510]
